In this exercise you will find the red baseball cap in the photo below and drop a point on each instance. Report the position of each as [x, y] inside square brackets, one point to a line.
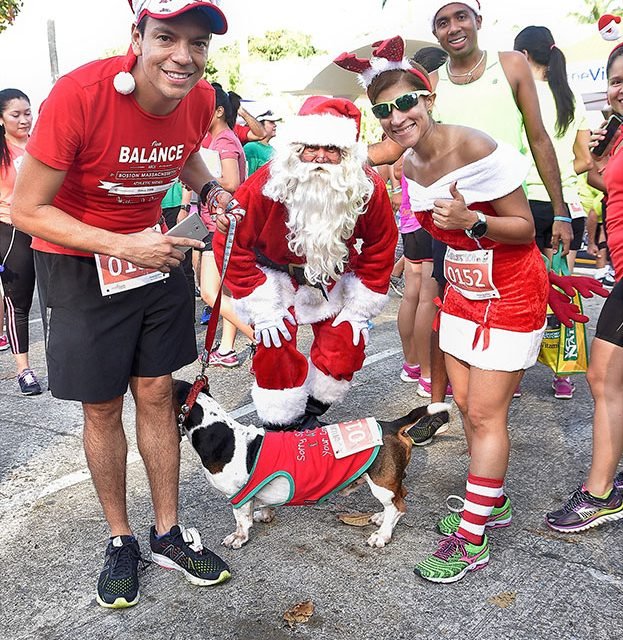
[163, 9]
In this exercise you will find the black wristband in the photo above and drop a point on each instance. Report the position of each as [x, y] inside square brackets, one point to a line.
[207, 187]
[186, 207]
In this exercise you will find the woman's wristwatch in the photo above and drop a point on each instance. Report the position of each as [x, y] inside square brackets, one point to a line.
[479, 228]
[186, 207]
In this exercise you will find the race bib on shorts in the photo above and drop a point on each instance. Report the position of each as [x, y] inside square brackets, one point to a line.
[471, 273]
[117, 275]
[352, 437]
[576, 210]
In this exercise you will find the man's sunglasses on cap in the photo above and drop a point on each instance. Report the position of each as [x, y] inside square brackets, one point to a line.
[402, 103]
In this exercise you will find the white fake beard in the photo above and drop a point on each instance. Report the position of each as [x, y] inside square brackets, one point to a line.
[323, 202]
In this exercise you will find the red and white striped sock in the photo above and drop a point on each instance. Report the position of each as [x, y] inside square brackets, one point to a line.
[481, 495]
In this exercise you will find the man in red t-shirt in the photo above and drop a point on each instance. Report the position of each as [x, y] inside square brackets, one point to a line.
[111, 139]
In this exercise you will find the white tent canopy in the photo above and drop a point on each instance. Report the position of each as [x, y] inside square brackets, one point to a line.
[335, 81]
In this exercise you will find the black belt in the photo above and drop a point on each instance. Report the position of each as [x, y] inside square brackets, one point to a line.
[296, 271]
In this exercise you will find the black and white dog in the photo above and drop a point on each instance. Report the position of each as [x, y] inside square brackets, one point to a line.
[230, 455]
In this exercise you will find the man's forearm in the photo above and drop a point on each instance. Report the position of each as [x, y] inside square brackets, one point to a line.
[547, 166]
[54, 225]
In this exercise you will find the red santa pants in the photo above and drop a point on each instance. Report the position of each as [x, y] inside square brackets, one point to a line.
[281, 373]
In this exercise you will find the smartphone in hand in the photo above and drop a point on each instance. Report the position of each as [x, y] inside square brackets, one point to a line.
[612, 126]
[190, 227]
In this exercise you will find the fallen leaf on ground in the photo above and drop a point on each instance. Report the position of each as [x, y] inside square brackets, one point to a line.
[300, 612]
[355, 519]
[504, 599]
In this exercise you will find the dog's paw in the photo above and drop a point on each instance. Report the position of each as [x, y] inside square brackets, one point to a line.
[265, 514]
[235, 540]
[377, 540]
[377, 518]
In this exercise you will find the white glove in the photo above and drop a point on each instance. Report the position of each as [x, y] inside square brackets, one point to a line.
[357, 322]
[268, 330]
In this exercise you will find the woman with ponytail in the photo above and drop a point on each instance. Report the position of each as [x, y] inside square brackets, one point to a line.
[564, 117]
[16, 260]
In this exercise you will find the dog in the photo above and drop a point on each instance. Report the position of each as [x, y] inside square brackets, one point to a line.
[230, 454]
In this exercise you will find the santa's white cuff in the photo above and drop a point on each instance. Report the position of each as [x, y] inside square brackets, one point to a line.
[324, 387]
[270, 299]
[279, 406]
[360, 300]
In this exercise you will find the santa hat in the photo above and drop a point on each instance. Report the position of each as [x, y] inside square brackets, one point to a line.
[607, 26]
[162, 10]
[323, 121]
[435, 6]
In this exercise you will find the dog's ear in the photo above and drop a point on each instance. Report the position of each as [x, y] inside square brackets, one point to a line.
[181, 388]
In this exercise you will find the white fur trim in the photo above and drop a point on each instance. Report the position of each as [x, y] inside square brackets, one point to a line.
[491, 177]
[319, 129]
[124, 83]
[310, 305]
[271, 297]
[507, 351]
[279, 406]
[381, 65]
[361, 300]
[324, 387]
[437, 407]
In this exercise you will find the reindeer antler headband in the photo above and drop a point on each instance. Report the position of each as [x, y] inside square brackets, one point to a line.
[387, 55]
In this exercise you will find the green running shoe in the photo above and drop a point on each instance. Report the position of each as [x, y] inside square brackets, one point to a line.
[453, 559]
[500, 517]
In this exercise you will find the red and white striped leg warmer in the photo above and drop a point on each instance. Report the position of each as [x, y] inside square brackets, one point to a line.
[481, 495]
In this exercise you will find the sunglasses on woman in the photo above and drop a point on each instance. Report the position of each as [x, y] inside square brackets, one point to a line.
[402, 103]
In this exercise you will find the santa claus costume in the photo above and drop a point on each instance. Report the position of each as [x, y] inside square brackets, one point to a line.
[316, 247]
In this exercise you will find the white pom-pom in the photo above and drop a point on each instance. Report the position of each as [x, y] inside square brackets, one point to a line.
[124, 83]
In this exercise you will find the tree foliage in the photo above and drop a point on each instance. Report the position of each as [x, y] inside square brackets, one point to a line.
[595, 9]
[277, 45]
[8, 12]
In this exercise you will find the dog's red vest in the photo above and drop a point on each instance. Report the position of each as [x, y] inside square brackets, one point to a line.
[306, 459]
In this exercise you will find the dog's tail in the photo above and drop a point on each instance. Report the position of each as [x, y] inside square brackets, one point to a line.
[401, 425]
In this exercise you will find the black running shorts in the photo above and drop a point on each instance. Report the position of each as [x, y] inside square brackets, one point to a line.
[439, 255]
[96, 343]
[543, 214]
[610, 323]
[418, 246]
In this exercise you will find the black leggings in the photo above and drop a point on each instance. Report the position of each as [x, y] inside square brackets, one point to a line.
[18, 281]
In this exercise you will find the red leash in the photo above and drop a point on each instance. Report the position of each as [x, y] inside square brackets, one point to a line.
[201, 381]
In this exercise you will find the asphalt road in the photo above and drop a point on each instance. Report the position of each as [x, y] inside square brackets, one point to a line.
[539, 584]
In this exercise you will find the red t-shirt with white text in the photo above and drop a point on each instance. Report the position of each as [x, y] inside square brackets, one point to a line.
[119, 160]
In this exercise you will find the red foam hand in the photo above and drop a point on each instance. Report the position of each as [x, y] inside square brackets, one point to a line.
[351, 62]
[564, 309]
[584, 285]
[390, 49]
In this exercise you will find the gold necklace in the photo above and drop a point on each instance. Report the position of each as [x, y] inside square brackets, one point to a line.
[470, 73]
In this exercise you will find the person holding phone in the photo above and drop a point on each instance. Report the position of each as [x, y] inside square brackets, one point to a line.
[89, 192]
[599, 499]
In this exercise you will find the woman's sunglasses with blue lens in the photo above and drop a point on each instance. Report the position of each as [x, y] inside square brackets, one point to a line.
[402, 103]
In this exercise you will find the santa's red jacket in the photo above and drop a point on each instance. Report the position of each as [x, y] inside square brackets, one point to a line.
[363, 287]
